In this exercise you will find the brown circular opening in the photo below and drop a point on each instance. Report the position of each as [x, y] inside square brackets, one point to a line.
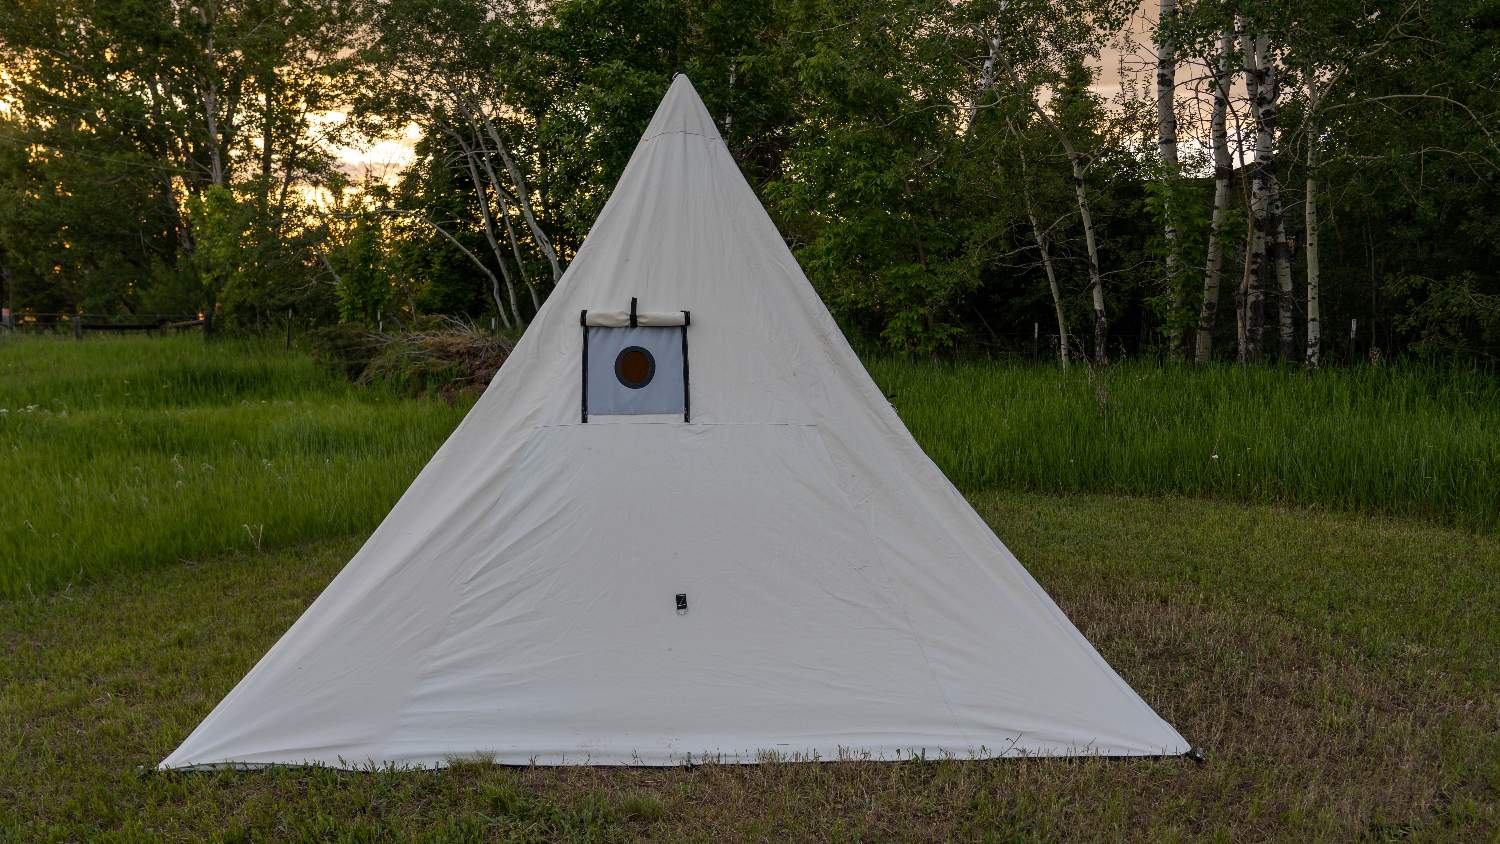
[634, 367]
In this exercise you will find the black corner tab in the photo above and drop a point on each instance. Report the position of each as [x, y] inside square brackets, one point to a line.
[1197, 755]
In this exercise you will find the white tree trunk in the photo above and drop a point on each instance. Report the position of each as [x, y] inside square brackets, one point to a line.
[490, 235]
[1096, 280]
[1166, 146]
[1241, 291]
[1044, 247]
[1057, 306]
[510, 230]
[1223, 172]
[1254, 45]
[1310, 217]
[1080, 193]
[986, 82]
[208, 92]
[523, 198]
[1277, 250]
[1286, 327]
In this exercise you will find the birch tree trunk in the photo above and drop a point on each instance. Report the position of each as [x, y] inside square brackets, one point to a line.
[510, 230]
[1255, 86]
[1044, 247]
[1286, 327]
[523, 198]
[209, 94]
[1079, 165]
[267, 146]
[208, 91]
[1166, 145]
[480, 187]
[1223, 171]
[1096, 281]
[1277, 250]
[1057, 308]
[178, 155]
[1310, 217]
[986, 82]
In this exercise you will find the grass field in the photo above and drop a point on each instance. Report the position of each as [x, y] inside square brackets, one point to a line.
[1409, 441]
[169, 508]
[121, 454]
[127, 453]
[1341, 672]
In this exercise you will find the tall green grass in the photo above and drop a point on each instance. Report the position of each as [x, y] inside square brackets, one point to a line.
[1402, 440]
[117, 454]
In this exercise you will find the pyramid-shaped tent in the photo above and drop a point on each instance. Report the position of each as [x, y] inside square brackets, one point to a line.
[682, 524]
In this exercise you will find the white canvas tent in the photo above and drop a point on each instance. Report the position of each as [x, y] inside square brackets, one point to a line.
[681, 524]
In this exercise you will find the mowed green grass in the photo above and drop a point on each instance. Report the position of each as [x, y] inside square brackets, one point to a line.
[1408, 440]
[121, 454]
[1341, 672]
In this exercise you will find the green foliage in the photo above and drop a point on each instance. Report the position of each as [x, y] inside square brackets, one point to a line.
[442, 280]
[1446, 317]
[851, 119]
[1188, 205]
[220, 224]
[870, 185]
[363, 288]
[130, 122]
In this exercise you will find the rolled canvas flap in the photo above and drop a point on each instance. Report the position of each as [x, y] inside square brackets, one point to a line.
[621, 319]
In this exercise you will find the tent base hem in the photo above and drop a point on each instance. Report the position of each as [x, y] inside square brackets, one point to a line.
[520, 759]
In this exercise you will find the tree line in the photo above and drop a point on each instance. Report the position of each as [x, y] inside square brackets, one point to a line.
[1248, 180]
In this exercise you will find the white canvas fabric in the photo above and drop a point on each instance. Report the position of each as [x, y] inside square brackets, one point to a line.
[520, 600]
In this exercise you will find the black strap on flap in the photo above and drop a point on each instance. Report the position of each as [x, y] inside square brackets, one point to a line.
[583, 320]
[632, 312]
[687, 393]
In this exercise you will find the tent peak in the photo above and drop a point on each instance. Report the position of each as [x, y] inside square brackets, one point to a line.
[681, 111]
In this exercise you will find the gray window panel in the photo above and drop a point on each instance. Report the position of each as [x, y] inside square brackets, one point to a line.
[662, 394]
